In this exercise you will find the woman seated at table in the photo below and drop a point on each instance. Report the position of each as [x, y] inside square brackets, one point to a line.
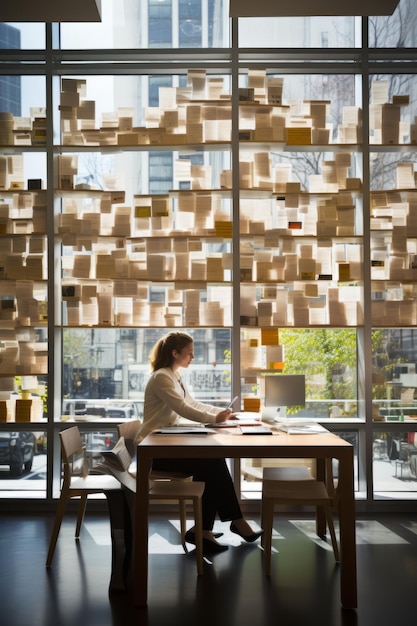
[166, 399]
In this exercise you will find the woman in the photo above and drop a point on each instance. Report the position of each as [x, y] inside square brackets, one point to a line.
[166, 399]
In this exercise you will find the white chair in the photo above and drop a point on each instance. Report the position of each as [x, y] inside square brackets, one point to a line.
[77, 483]
[293, 486]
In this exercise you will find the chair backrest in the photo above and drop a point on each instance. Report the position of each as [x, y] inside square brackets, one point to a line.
[117, 462]
[73, 452]
[129, 430]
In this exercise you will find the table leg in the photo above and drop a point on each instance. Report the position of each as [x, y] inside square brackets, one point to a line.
[120, 509]
[348, 580]
[320, 516]
[118, 514]
[140, 571]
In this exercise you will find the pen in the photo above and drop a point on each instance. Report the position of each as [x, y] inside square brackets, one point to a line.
[229, 406]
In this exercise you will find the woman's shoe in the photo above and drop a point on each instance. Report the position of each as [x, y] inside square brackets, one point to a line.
[209, 547]
[249, 538]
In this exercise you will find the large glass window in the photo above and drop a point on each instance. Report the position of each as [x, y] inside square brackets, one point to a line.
[271, 237]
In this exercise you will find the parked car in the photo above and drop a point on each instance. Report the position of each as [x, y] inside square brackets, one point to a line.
[107, 409]
[17, 450]
[101, 410]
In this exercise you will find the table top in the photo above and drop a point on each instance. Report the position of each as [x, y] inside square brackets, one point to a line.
[234, 444]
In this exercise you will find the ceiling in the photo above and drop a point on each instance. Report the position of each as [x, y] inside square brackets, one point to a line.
[90, 10]
[50, 11]
[297, 8]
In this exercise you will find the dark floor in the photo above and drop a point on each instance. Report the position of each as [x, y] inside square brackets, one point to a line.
[233, 591]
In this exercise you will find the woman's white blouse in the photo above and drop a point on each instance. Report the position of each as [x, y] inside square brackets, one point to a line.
[167, 399]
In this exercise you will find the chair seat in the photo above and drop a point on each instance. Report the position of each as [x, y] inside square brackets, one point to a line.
[94, 483]
[292, 491]
[162, 489]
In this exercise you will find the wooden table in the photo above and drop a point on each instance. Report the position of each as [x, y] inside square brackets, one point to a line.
[234, 445]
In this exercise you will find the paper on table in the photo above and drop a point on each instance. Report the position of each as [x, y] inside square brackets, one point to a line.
[250, 416]
[183, 430]
[255, 430]
[299, 427]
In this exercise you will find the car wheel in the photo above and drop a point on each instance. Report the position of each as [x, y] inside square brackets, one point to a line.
[28, 465]
[16, 468]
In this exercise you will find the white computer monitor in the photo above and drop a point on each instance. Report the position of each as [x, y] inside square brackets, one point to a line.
[281, 391]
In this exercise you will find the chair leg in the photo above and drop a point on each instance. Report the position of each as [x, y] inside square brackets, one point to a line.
[329, 518]
[263, 504]
[268, 520]
[183, 520]
[81, 513]
[57, 527]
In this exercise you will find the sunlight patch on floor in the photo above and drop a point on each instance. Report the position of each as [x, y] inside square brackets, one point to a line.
[367, 532]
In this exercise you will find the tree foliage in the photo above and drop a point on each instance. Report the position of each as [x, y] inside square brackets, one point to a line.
[327, 358]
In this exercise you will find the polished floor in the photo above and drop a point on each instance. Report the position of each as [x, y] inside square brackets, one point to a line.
[233, 591]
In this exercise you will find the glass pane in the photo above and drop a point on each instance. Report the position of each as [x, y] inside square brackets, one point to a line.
[326, 357]
[394, 376]
[298, 32]
[393, 108]
[395, 463]
[22, 111]
[330, 103]
[106, 370]
[22, 463]
[160, 24]
[96, 442]
[153, 24]
[190, 24]
[132, 111]
[397, 30]
[22, 36]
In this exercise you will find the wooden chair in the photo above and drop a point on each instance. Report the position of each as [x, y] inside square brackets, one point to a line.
[118, 462]
[129, 430]
[77, 483]
[293, 486]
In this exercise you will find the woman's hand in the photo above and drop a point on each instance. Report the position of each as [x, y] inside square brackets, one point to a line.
[225, 415]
